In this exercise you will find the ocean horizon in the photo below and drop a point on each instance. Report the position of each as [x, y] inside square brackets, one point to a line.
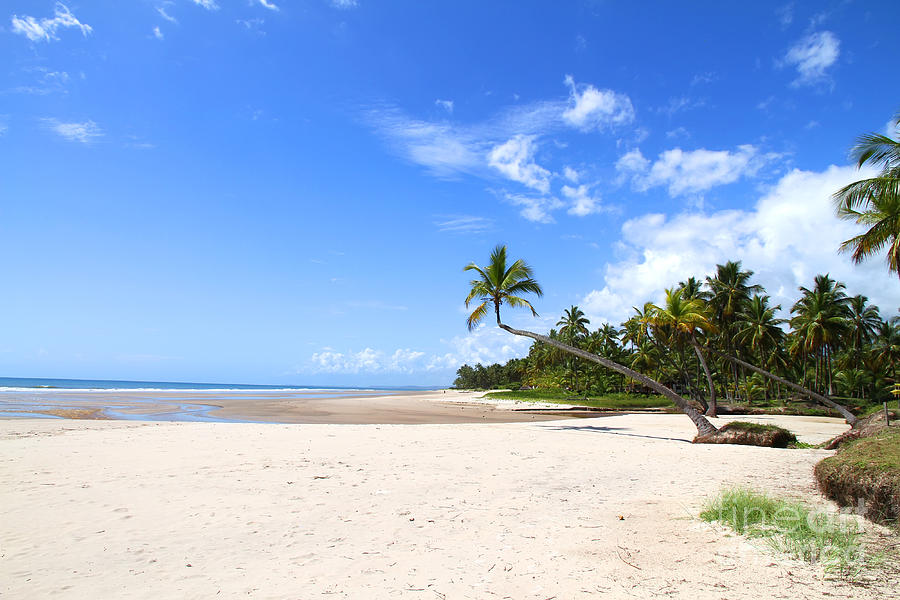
[32, 383]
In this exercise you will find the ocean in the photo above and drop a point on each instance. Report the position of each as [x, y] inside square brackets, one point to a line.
[33, 383]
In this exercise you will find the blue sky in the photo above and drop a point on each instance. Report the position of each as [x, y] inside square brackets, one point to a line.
[278, 191]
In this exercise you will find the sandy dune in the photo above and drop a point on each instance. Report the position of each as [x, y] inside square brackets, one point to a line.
[107, 509]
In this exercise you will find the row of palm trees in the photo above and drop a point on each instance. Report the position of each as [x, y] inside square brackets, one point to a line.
[833, 344]
[721, 336]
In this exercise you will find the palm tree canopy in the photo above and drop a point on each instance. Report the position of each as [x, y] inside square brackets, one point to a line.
[874, 202]
[573, 323]
[499, 282]
[759, 328]
[730, 290]
[821, 314]
[682, 316]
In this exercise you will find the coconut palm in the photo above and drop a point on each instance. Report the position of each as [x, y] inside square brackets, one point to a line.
[864, 322]
[874, 202]
[573, 328]
[822, 320]
[730, 292]
[759, 329]
[498, 283]
[684, 318]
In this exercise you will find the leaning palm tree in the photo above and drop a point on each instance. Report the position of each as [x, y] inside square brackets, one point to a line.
[500, 282]
[874, 202]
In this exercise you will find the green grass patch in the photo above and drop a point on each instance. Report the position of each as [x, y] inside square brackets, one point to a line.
[790, 527]
[865, 474]
[607, 401]
[750, 434]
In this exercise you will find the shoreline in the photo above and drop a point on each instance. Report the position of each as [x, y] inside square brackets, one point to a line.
[278, 406]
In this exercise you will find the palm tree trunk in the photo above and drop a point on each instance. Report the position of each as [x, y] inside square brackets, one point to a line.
[704, 427]
[711, 407]
[845, 412]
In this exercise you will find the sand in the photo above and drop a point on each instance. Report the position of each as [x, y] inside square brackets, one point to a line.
[558, 509]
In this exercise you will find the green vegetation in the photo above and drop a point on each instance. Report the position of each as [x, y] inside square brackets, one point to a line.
[608, 401]
[865, 474]
[836, 345]
[789, 527]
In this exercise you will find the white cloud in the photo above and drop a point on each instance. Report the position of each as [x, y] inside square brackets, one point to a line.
[44, 30]
[162, 12]
[515, 160]
[487, 345]
[3, 128]
[157, 33]
[207, 4]
[571, 174]
[537, 209]
[686, 172]
[583, 202]
[445, 104]
[345, 4]
[85, 132]
[787, 238]
[590, 108]
[368, 360]
[812, 56]
[464, 224]
[269, 5]
[632, 162]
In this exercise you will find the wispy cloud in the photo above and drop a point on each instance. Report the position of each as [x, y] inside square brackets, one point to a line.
[447, 148]
[465, 224]
[537, 209]
[445, 104]
[44, 30]
[253, 25]
[345, 4]
[812, 56]
[270, 5]
[85, 132]
[162, 12]
[207, 4]
[681, 104]
[785, 14]
[157, 33]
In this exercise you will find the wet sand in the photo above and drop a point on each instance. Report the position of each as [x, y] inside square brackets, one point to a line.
[300, 406]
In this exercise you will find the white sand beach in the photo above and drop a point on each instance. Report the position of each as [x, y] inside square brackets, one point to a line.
[553, 509]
